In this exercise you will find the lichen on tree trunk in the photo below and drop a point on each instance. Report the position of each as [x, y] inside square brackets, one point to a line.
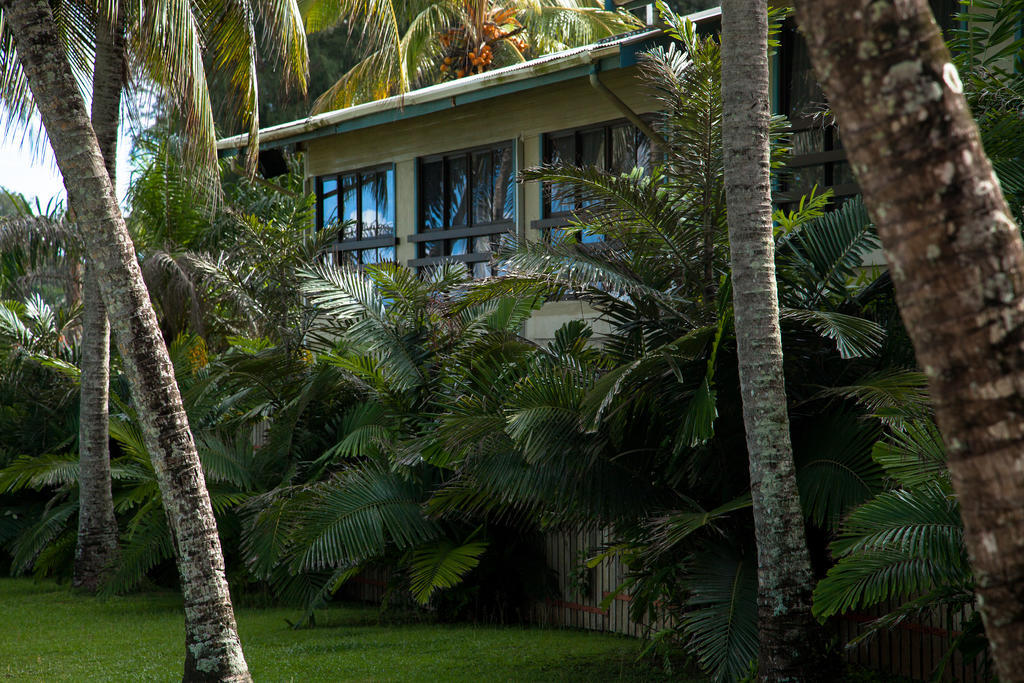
[957, 263]
[213, 650]
[791, 646]
[96, 549]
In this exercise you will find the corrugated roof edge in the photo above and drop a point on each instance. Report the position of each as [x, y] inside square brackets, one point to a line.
[555, 62]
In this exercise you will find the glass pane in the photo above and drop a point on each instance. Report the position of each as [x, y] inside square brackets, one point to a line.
[350, 197]
[481, 269]
[624, 148]
[330, 208]
[803, 179]
[842, 173]
[428, 249]
[386, 254]
[504, 192]
[809, 141]
[459, 247]
[369, 256]
[369, 208]
[347, 258]
[590, 237]
[330, 185]
[384, 193]
[432, 195]
[483, 190]
[945, 12]
[592, 149]
[482, 245]
[805, 96]
[561, 151]
[643, 152]
[457, 199]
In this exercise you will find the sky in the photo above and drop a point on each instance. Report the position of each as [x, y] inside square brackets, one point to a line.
[22, 171]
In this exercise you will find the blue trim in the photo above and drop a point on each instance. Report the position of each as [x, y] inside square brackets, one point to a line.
[630, 52]
[518, 86]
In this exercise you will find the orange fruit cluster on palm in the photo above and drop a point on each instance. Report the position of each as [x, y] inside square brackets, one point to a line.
[469, 48]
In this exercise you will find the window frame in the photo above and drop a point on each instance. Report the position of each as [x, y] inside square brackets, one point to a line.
[360, 244]
[470, 231]
[559, 219]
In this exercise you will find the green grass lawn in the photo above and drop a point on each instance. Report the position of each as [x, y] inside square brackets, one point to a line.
[47, 633]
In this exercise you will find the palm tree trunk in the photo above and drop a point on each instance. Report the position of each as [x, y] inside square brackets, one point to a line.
[96, 551]
[957, 262]
[789, 634]
[213, 650]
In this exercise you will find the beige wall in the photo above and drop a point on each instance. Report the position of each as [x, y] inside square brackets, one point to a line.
[524, 117]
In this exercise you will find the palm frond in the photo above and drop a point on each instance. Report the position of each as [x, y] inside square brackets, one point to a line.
[441, 564]
[854, 336]
[898, 544]
[914, 455]
[355, 515]
[834, 467]
[39, 472]
[720, 622]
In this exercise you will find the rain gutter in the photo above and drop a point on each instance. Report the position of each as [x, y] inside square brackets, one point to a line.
[555, 68]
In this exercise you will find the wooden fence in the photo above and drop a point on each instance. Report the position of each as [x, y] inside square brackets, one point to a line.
[914, 649]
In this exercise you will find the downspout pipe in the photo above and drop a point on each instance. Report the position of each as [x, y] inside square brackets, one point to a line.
[645, 128]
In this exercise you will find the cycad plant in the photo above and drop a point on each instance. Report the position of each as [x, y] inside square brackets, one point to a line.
[903, 549]
[659, 397]
[409, 346]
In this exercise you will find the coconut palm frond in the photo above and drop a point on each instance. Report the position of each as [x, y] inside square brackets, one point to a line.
[898, 544]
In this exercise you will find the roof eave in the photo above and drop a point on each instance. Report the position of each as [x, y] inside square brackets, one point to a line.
[450, 91]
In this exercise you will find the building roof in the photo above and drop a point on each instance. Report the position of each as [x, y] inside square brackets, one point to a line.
[607, 54]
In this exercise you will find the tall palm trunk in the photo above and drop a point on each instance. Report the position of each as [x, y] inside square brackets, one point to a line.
[957, 263]
[213, 650]
[788, 631]
[96, 551]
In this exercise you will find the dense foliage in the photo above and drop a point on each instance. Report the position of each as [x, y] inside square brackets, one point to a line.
[383, 420]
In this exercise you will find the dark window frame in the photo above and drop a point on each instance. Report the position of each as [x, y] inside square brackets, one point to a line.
[830, 158]
[471, 230]
[551, 219]
[341, 249]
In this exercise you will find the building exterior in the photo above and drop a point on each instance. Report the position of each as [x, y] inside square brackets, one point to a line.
[429, 176]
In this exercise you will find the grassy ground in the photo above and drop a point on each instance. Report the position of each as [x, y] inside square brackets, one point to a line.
[49, 634]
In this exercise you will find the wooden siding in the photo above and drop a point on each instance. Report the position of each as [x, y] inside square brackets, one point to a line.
[515, 116]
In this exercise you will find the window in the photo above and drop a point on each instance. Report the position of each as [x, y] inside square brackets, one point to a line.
[467, 201]
[366, 200]
[818, 157]
[617, 147]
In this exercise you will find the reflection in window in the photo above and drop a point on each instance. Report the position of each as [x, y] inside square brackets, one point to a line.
[360, 205]
[467, 199]
[817, 159]
[614, 147]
